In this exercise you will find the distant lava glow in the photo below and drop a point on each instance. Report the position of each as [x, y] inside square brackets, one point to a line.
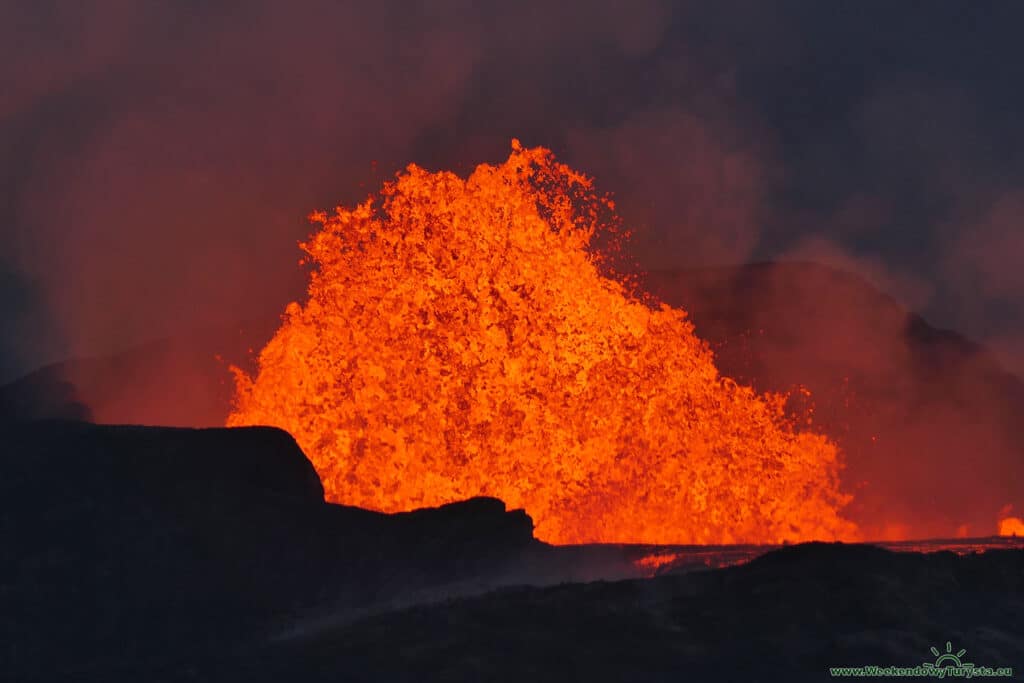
[1011, 526]
[460, 339]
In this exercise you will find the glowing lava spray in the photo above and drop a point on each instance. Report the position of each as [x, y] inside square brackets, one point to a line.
[460, 338]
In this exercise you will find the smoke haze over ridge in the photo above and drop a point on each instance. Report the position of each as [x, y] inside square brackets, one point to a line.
[159, 159]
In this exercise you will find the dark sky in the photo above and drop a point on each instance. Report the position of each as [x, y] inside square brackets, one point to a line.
[159, 158]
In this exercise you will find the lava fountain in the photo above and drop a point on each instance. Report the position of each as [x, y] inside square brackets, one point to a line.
[462, 337]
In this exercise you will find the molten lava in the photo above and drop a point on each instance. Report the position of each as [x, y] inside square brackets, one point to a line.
[655, 561]
[460, 339]
[1011, 526]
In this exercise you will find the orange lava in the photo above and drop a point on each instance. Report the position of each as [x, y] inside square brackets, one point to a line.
[655, 561]
[460, 338]
[1011, 526]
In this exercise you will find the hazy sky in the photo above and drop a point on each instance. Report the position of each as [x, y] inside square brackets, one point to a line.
[159, 158]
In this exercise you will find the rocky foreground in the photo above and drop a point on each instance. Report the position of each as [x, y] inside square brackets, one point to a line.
[790, 615]
[157, 554]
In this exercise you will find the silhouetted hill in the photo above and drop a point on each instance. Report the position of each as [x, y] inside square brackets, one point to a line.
[182, 381]
[132, 544]
[923, 415]
[43, 394]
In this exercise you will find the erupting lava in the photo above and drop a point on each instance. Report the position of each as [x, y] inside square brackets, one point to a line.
[1011, 526]
[460, 339]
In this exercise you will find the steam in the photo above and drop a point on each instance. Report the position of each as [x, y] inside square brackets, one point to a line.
[673, 168]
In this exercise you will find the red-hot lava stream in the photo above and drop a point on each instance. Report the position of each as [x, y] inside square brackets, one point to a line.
[460, 339]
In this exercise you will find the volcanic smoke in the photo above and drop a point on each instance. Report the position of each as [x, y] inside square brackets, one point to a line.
[462, 337]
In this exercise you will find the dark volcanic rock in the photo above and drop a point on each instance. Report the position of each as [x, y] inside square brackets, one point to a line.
[129, 545]
[180, 555]
[787, 616]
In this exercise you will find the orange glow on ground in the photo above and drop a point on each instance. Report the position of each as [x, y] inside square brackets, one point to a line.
[655, 561]
[460, 339]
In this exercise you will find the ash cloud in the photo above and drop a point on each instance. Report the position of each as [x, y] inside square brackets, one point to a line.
[656, 157]
[161, 158]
